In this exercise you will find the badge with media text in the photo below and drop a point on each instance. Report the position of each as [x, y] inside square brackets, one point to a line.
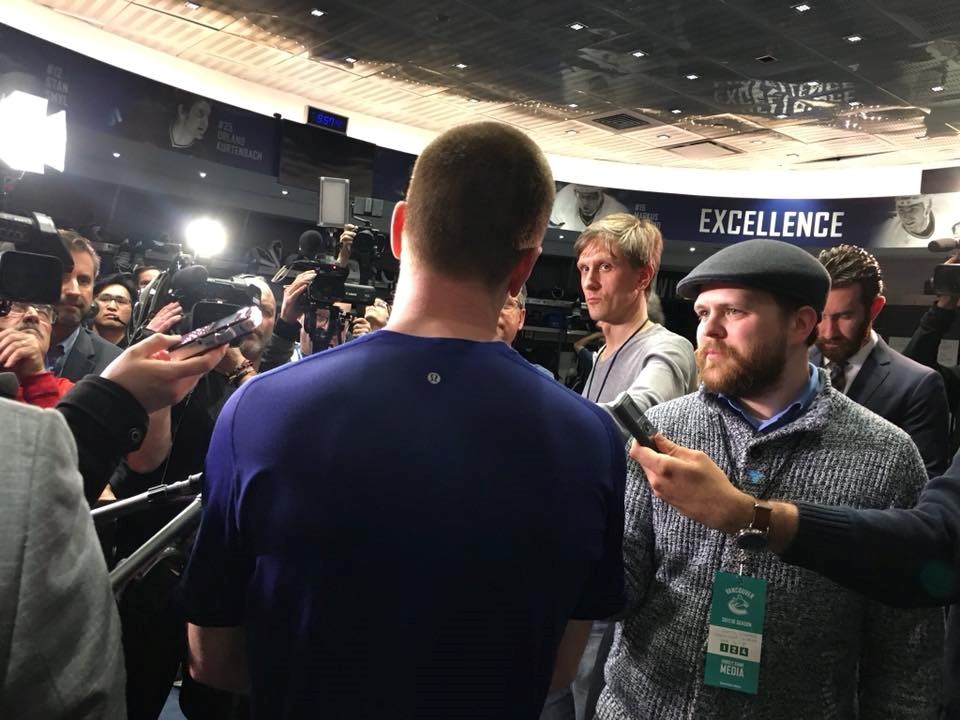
[736, 632]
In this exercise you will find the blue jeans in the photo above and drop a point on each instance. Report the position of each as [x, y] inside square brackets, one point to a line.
[571, 703]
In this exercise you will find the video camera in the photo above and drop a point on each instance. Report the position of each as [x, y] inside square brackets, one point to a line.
[33, 271]
[318, 250]
[946, 278]
[317, 253]
[204, 300]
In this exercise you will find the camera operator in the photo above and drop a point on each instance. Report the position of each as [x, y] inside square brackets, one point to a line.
[289, 340]
[152, 624]
[375, 317]
[924, 347]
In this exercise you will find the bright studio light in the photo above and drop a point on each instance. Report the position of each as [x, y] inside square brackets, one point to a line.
[206, 236]
[29, 138]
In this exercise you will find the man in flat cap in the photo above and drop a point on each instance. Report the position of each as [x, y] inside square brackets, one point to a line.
[716, 629]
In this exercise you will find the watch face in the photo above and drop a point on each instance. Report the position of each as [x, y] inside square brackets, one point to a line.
[752, 539]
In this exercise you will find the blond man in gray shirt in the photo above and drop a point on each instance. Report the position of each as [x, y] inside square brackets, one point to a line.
[618, 257]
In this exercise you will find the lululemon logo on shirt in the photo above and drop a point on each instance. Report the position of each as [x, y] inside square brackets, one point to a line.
[433, 378]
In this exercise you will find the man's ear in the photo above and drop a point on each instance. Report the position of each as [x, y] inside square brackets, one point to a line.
[521, 271]
[644, 277]
[875, 307]
[805, 320]
[396, 227]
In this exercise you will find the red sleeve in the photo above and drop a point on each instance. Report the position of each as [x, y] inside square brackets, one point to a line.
[43, 389]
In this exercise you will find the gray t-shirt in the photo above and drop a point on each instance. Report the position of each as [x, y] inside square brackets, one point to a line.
[654, 366]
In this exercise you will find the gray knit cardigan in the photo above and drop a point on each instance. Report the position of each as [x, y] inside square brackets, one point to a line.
[827, 652]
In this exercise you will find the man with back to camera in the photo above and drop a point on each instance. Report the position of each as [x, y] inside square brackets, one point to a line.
[74, 350]
[772, 421]
[866, 369]
[437, 577]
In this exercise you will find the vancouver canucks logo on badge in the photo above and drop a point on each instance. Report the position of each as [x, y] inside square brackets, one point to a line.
[740, 599]
[738, 605]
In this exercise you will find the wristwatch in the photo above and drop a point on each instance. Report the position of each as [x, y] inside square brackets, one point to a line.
[756, 535]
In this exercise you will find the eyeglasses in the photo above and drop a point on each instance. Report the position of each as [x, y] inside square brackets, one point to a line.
[118, 299]
[47, 313]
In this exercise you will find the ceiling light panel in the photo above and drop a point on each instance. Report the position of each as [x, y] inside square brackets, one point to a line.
[159, 30]
[202, 15]
[98, 12]
[238, 50]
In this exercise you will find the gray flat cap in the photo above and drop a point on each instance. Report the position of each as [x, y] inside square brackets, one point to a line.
[782, 269]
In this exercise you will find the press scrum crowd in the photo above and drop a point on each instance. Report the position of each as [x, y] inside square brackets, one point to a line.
[418, 523]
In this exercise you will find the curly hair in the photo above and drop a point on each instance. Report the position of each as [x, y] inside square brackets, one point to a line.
[849, 264]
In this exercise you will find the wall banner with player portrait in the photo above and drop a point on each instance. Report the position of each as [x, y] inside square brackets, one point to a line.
[107, 99]
[883, 222]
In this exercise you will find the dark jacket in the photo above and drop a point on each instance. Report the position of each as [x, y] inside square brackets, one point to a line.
[910, 396]
[89, 355]
[924, 347]
[906, 558]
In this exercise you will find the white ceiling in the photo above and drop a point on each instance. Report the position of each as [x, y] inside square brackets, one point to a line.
[248, 46]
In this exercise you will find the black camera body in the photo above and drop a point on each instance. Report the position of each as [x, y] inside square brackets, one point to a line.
[945, 281]
[33, 272]
[331, 286]
[204, 300]
[371, 249]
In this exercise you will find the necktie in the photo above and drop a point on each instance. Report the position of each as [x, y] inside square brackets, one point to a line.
[55, 358]
[838, 375]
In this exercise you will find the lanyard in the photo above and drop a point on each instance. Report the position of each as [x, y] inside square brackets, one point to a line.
[593, 370]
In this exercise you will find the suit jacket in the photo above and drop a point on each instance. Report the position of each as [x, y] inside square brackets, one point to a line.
[60, 654]
[89, 355]
[910, 396]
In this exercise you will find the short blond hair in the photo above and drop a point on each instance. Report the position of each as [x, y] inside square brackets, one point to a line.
[636, 239]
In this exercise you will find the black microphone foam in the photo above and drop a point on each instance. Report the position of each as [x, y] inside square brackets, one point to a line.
[943, 245]
[189, 278]
[311, 242]
[9, 384]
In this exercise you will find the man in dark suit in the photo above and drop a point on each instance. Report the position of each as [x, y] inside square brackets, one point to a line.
[76, 351]
[868, 370]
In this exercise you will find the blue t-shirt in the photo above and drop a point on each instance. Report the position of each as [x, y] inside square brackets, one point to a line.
[404, 526]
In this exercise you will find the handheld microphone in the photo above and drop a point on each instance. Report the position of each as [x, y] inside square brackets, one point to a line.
[944, 245]
[9, 384]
